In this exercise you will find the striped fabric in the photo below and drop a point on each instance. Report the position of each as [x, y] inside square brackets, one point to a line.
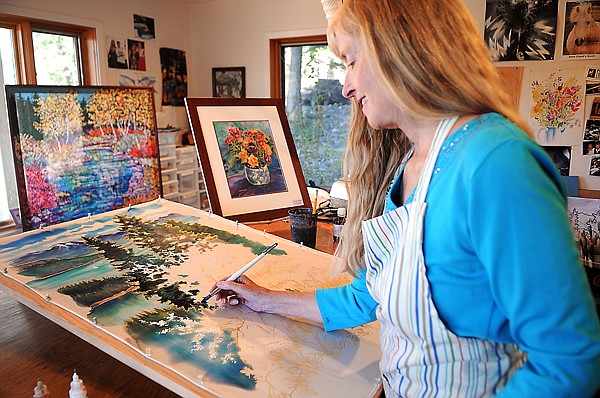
[422, 358]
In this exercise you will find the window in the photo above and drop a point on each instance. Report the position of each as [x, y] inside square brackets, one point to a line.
[45, 53]
[308, 77]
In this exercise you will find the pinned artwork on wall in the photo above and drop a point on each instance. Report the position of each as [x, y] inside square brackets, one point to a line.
[117, 52]
[174, 76]
[82, 150]
[561, 156]
[137, 55]
[248, 157]
[131, 282]
[521, 30]
[229, 82]
[144, 27]
[581, 30]
[556, 111]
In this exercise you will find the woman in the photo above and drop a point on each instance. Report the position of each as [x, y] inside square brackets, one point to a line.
[469, 261]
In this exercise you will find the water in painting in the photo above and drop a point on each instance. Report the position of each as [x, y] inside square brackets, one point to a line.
[81, 151]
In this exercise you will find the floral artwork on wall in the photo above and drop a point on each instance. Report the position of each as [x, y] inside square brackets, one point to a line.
[556, 109]
[82, 150]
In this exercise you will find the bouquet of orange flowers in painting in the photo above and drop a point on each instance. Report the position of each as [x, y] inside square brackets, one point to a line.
[251, 148]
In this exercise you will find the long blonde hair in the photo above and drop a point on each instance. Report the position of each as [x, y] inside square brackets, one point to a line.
[431, 58]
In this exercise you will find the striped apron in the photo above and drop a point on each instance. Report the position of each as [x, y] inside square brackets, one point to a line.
[421, 357]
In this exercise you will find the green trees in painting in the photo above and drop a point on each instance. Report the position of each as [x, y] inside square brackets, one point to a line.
[157, 247]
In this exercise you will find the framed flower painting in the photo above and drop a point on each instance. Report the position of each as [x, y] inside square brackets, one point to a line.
[248, 158]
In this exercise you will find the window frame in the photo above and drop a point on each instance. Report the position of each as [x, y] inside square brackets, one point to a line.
[23, 27]
[276, 58]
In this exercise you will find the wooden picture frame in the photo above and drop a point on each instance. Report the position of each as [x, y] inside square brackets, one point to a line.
[101, 155]
[248, 157]
[229, 82]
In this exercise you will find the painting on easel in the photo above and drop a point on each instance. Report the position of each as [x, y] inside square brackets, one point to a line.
[133, 280]
[248, 156]
[82, 150]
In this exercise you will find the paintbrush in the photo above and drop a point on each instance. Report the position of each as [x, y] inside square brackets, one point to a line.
[239, 272]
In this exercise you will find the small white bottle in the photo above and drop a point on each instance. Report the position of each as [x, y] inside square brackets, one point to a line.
[338, 224]
[77, 388]
[40, 390]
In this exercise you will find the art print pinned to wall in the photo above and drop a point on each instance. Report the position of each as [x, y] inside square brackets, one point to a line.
[134, 279]
[137, 55]
[82, 150]
[521, 30]
[117, 52]
[174, 76]
[556, 109]
[561, 156]
[229, 82]
[143, 26]
[581, 30]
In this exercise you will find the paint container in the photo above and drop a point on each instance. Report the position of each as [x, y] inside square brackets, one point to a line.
[303, 225]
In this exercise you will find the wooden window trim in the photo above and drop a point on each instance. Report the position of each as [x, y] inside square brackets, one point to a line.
[23, 28]
[276, 58]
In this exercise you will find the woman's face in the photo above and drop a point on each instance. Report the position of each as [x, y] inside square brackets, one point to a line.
[362, 84]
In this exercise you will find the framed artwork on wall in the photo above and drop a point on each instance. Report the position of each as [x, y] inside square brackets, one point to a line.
[229, 82]
[248, 157]
[82, 150]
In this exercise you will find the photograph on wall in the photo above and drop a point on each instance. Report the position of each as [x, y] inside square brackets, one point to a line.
[143, 26]
[556, 110]
[82, 150]
[229, 82]
[133, 281]
[561, 156]
[581, 30]
[137, 55]
[174, 76]
[117, 52]
[248, 157]
[521, 30]
[595, 111]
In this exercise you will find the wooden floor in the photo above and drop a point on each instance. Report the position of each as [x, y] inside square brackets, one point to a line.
[33, 347]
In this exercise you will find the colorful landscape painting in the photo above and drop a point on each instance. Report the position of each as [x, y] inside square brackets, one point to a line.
[140, 274]
[82, 150]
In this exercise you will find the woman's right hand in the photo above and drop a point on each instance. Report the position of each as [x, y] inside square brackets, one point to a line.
[243, 291]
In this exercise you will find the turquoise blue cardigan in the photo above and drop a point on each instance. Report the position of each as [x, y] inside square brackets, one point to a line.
[501, 260]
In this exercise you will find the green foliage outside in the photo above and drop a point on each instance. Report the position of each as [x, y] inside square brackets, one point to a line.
[317, 112]
[55, 59]
[320, 134]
